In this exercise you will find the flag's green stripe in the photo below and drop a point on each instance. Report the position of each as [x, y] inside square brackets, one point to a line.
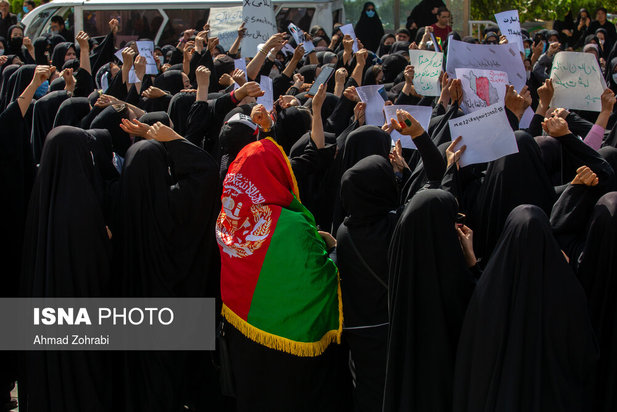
[296, 294]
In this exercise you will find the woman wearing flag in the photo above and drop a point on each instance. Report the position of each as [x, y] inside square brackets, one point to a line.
[280, 290]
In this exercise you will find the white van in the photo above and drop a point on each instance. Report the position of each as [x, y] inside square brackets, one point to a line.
[165, 20]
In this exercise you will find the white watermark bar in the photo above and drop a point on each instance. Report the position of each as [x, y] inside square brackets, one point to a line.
[107, 324]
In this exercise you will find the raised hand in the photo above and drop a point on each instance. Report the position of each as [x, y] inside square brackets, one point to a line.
[406, 124]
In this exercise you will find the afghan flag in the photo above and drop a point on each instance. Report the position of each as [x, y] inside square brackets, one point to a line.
[278, 286]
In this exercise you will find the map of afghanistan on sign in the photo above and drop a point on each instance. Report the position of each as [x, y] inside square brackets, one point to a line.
[481, 88]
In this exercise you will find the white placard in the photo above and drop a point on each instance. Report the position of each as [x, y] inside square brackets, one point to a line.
[502, 57]
[421, 113]
[348, 30]
[481, 88]
[265, 83]
[578, 81]
[224, 23]
[427, 68]
[300, 39]
[510, 27]
[146, 49]
[374, 104]
[258, 17]
[486, 133]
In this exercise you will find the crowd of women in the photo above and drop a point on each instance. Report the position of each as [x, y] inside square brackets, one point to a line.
[349, 273]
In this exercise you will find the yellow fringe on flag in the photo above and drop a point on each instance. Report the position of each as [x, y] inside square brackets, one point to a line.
[303, 349]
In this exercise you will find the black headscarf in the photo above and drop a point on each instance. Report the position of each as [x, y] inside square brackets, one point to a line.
[393, 65]
[72, 111]
[65, 214]
[19, 81]
[43, 119]
[596, 272]
[527, 343]
[178, 110]
[4, 88]
[55, 39]
[423, 15]
[383, 48]
[360, 143]
[41, 46]
[369, 29]
[170, 81]
[110, 119]
[152, 118]
[308, 71]
[59, 54]
[517, 179]
[429, 289]
[290, 125]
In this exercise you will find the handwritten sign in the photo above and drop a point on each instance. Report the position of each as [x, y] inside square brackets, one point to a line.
[486, 133]
[578, 81]
[224, 23]
[481, 88]
[258, 16]
[427, 68]
[502, 57]
[265, 83]
[374, 104]
[146, 49]
[510, 26]
[348, 30]
[421, 113]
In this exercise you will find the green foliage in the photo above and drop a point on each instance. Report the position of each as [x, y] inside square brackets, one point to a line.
[530, 10]
[16, 5]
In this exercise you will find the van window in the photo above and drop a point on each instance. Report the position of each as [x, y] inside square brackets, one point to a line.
[33, 29]
[181, 20]
[337, 16]
[300, 16]
[134, 24]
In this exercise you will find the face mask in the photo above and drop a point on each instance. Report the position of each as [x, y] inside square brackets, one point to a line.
[527, 53]
[161, 59]
[528, 73]
[370, 13]
[42, 89]
[386, 48]
[1, 52]
[25, 9]
[16, 42]
[615, 77]
[601, 42]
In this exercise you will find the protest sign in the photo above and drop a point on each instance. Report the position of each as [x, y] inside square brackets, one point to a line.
[427, 68]
[265, 83]
[224, 23]
[348, 30]
[374, 104]
[510, 26]
[258, 16]
[146, 49]
[578, 81]
[481, 88]
[300, 39]
[503, 57]
[486, 133]
[421, 113]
